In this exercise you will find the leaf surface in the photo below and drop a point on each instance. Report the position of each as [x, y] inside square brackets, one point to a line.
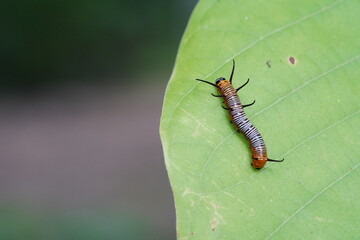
[303, 61]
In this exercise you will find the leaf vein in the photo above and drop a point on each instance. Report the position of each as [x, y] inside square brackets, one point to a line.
[310, 201]
[297, 146]
[309, 82]
[279, 100]
[261, 38]
[320, 132]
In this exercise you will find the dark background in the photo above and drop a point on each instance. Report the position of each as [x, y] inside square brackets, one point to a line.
[81, 89]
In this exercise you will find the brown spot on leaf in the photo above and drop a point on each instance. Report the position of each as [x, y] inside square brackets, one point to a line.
[213, 225]
[292, 60]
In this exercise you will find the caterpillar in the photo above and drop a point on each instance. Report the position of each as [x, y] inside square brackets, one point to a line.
[240, 120]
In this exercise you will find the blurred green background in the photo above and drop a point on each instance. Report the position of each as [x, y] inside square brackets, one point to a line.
[81, 89]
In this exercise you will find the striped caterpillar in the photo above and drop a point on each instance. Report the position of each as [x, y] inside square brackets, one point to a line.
[239, 119]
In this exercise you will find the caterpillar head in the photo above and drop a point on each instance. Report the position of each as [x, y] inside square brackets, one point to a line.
[259, 162]
[219, 80]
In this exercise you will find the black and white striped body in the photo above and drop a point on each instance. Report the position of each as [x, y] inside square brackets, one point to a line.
[240, 120]
[238, 117]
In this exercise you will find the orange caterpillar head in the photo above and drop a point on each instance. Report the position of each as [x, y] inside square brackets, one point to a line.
[221, 81]
[259, 162]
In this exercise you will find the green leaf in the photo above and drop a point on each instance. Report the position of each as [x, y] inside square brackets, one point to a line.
[307, 112]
